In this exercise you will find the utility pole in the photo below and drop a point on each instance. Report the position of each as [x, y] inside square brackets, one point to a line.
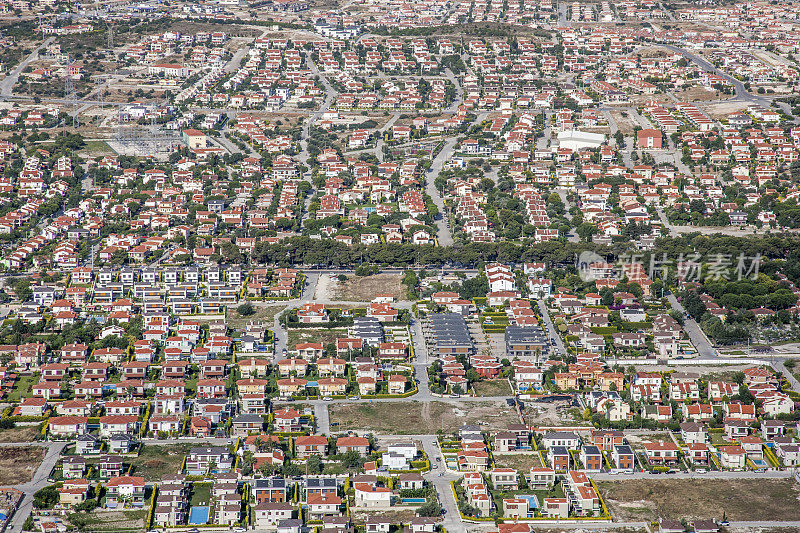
[70, 95]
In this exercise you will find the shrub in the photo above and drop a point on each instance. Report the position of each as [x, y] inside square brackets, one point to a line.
[246, 309]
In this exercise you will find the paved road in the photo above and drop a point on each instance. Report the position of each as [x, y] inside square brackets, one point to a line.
[692, 328]
[557, 345]
[7, 83]
[452, 519]
[323, 418]
[665, 221]
[777, 366]
[459, 99]
[236, 60]
[442, 227]
[330, 94]
[39, 481]
[741, 92]
[563, 22]
[281, 333]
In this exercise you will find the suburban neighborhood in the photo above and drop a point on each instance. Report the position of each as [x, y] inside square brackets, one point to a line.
[321, 266]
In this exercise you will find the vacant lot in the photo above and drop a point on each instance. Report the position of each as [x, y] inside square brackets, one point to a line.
[264, 314]
[494, 387]
[360, 517]
[19, 434]
[550, 413]
[110, 520]
[518, 461]
[652, 437]
[96, 148]
[698, 94]
[325, 336]
[721, 110]
[365, 289]
[154, 461]
[476, 529]
[625, 123]
[18, 463]
[740, 499]
[410, 418]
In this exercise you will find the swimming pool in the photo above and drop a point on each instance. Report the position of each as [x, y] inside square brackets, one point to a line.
[199, 515]
[533, 501]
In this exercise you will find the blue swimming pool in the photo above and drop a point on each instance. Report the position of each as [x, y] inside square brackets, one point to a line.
[413, 500]
[199, 515]
[533, 501]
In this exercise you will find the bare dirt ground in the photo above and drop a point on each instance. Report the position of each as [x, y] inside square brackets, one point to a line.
[19, 434]
[493, 387]
[522, 462]
[625, 124]
[740, 499]
[384, 442]
[771, 58]
[548, 414]
[721, 110]
[538, 529]
[324, 336]
[18, 463]
[414, 418]
[192, 27]
[637, 440]
[264, 314]
[360, 517]
[649, 99]
[361, 289]
[697, 94]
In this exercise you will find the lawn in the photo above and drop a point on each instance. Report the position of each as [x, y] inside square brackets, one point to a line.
[556, 492]
[22, 388]
[156, 461]
[201, 494]
[18, 464]
[718, 438]
[19, 434]
[739, 499]
[522, 462]
[492, 387]
[97, 147]
[415, 418]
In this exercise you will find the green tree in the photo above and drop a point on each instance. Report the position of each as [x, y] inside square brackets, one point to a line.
[585, 231]
[246, 309]
[46, 498]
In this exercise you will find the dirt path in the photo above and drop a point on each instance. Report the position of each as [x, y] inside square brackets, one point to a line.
[426, 411]
[324, 289]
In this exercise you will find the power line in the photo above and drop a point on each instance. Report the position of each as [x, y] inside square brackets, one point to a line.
[70, 94]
